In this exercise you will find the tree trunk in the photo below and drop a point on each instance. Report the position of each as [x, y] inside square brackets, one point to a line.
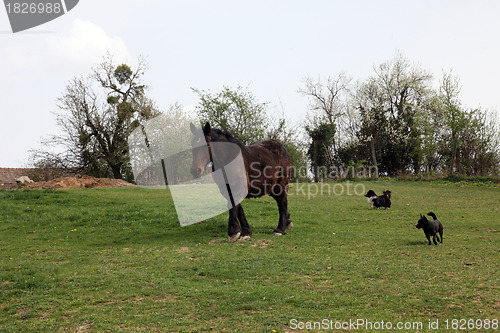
[453, 155]
[374, 157]
[117, 171]
[315, 160]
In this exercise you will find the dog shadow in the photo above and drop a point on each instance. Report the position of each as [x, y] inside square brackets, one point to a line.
[414, 243]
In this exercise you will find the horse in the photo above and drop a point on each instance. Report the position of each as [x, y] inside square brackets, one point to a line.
[267, 172]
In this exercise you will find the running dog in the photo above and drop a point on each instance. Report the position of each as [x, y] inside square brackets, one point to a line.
[431, 228]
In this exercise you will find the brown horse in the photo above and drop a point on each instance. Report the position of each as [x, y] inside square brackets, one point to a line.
[267, 168]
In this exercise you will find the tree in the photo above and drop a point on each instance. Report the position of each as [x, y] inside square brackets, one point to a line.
[329, 105]
[320, 149]
[159, 148]
[390, 103]
[396, 120]
[373, 121]
[281, 131]
[236, 111]
[454, 115]
[430, 125]
[96, 115]
[486, 157]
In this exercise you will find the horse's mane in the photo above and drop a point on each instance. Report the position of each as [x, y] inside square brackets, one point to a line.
[227, 136]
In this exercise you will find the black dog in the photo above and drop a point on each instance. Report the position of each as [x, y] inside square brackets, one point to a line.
[431, 228]
[379, 201]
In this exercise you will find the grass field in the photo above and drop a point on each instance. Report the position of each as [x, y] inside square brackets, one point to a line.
[116, 260]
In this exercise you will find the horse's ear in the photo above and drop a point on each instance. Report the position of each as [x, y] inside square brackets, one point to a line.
[193, 128]
[206, 128]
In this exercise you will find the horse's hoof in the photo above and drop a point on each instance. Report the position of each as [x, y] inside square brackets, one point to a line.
[247, 237]
[276, 233]
[290, 225]
[234, 237]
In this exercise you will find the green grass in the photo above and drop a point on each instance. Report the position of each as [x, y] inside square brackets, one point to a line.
[116, 260]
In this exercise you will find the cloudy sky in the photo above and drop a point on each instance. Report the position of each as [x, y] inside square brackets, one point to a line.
[269, 46]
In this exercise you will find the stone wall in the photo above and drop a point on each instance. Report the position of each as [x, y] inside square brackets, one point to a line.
[8, 176]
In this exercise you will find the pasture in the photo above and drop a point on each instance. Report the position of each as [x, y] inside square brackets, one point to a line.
[117, 260]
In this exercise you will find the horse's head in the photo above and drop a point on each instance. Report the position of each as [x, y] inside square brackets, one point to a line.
[201, 145]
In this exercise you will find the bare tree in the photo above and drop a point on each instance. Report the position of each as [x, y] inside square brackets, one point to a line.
[327, 99]
[329, 104]
[96, 115]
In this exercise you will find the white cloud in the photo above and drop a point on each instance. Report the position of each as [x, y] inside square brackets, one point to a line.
[86, 43]
[14, 60]
[37, 65]
[18, 57]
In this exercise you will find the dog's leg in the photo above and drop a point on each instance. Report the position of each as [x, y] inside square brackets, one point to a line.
[428, 238]
[434, 239]
[441, 234]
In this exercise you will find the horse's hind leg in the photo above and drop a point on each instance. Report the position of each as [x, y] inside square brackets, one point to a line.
[233, 226]
[284, 222]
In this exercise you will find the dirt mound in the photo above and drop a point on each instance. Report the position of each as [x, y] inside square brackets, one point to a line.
[79, 182]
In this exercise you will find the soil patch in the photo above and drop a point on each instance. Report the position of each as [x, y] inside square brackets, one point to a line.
[78, 182]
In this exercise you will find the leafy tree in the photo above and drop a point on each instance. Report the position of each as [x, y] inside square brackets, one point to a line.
[486, 153]
[320, 150]
[373, 122]
[236, 111]
[289, 137]
[390, 103]
[400, 123]
[455, 116]
[162, 145]
[96, 115]
[430, 125]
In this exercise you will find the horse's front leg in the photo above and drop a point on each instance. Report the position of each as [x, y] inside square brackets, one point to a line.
[246, 232]
[233, 226]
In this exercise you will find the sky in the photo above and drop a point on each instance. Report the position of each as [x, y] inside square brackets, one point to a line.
[266, 46]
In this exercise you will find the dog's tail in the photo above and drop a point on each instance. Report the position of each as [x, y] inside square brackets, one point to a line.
[432, 215]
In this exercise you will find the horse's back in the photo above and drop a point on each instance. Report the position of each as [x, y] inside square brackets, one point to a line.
[270, 150]
[268, 165]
